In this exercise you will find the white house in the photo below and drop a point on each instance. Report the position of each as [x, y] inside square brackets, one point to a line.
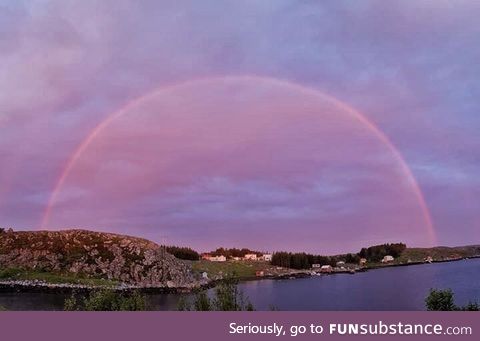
[315, 266]
[326, 268]
[340, 263]
[218, 259]
[387, 259]
[250, 256]
[204, 275]
[267, 257]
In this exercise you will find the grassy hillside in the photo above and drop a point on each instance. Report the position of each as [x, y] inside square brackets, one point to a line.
[440, 253]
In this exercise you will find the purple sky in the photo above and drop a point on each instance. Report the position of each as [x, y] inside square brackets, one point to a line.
[197, 158]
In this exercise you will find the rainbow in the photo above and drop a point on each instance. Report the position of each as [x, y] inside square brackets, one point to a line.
[354, 114]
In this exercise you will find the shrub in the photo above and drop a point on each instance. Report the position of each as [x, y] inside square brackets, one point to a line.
[10, 273]
[227, 297]
[471, 306]
[106, 300]
[441, 300]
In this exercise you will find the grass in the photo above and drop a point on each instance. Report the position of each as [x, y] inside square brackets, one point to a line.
[439, 253]
[240, 269]
[54, 277]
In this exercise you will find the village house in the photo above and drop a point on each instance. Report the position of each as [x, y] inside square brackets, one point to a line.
[340, 264]
[250, 256]
[316, 266]
[387, 259]
[206, 256]
[267, 257]
[218, 259]
[363, 261]
[204, 275]
[429, 259]
[236, 258]
[326, 268]
[259, 273]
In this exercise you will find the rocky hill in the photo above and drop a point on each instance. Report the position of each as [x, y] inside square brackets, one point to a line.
[115, 257]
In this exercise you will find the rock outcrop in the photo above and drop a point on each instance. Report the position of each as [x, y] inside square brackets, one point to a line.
[116, 257]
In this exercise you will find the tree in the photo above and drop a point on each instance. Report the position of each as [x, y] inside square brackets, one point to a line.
[183, 252]
[234, 252]
[106, 300]
[377, 252]
[440, 300]
[2, 230]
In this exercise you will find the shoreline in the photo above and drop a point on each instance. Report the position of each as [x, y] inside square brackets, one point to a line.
[24, 286]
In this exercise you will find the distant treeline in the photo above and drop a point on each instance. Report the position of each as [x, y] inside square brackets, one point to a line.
[302, 260]
[229, 253]
[183, 252]
[299, 260]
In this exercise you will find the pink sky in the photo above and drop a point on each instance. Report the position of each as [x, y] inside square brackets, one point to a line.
[243, 163]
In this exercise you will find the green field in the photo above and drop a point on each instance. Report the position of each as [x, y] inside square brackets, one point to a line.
[241, 269]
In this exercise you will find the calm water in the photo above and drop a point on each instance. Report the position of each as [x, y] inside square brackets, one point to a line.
[399, 288]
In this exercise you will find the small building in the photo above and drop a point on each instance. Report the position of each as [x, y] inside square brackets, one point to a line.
[340, 264]
[387, 259]
[220, 258]
[204, 275]
[316, 266]
[326, 268]
[206, 256]
[363, 261]
[259, 273]
[429, 259]
[267, 257]
[250, 256]
[236, 258]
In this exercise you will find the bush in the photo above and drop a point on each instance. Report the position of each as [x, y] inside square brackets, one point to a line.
[10, 273]
[106, 300]
[440, 300]
[202, 302]
[227, 297]
[471, 306]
